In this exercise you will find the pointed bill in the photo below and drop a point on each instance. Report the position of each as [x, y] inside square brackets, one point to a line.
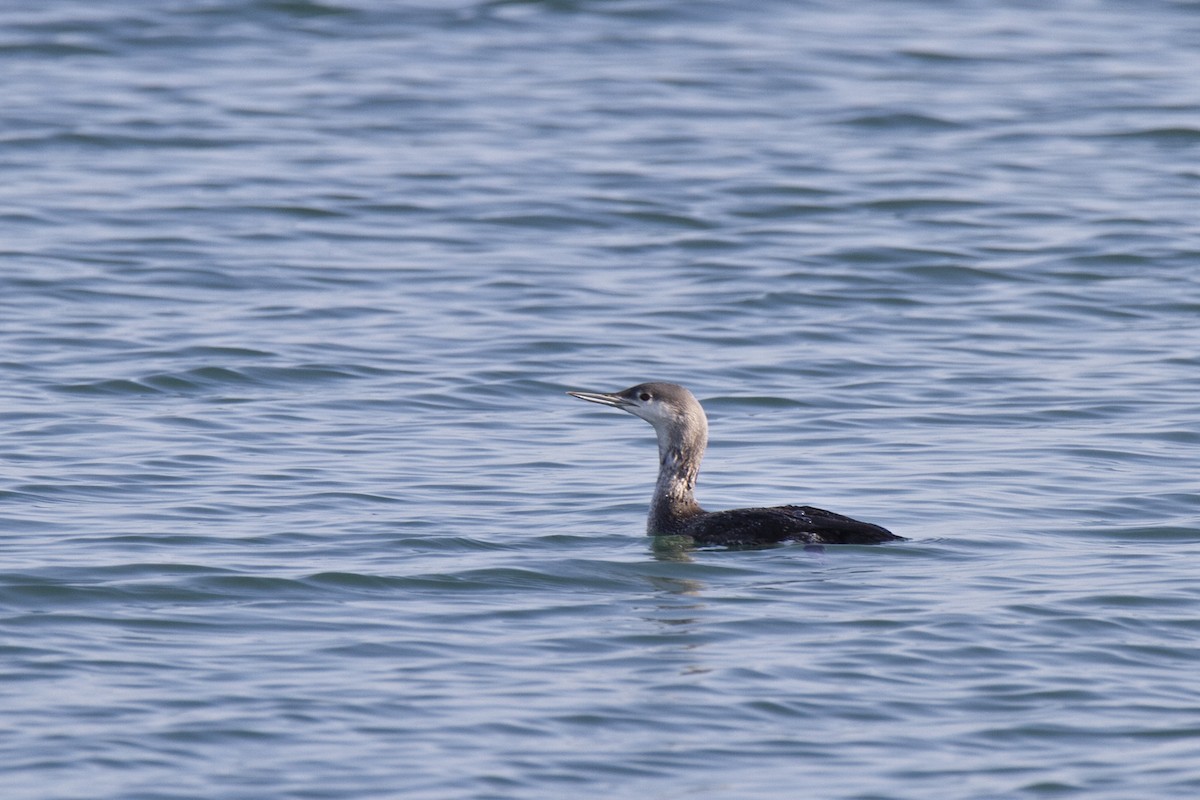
[614, 400]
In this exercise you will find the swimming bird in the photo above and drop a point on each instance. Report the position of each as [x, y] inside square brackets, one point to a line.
[682, 428]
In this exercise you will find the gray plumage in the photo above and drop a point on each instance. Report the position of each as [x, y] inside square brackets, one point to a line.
[682, 430]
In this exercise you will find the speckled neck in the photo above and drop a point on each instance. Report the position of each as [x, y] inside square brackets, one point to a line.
[681, 445]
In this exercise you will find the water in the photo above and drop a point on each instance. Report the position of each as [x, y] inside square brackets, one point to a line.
[294, 505]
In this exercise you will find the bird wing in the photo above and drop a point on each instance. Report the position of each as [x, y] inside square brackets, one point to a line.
[831, 528]
[741, 526]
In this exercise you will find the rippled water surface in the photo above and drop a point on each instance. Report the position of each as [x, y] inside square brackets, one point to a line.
[293, 503]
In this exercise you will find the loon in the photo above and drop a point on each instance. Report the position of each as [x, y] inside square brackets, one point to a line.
[682, 430]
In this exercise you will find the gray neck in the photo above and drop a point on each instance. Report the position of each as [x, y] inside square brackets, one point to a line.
[680, 449]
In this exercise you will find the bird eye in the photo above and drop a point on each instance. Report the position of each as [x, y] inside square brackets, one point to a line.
[644, 396]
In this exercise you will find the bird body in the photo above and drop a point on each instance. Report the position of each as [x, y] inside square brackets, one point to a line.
[682, 429]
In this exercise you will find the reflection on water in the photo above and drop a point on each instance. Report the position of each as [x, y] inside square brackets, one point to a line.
[672, 548]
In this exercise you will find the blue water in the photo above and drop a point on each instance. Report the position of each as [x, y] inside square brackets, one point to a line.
[294, 506]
